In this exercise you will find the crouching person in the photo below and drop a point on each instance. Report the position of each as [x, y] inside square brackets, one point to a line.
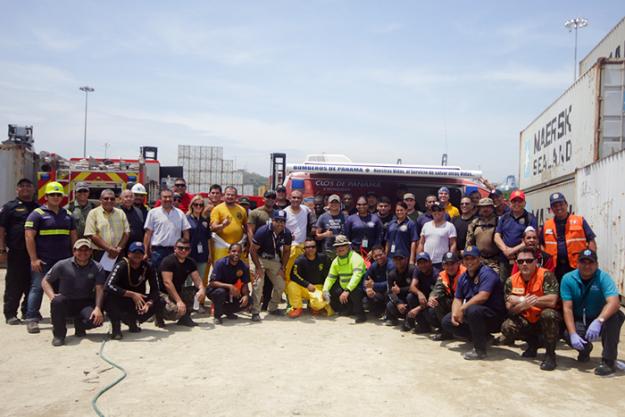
[227, 287]
[126, 293]
[478, 308]
[77, 278]
[531, 299]
[442, 295]
[174, 270]
[343, 285]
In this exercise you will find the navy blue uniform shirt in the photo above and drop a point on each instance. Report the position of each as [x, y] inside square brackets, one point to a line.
[485, 280]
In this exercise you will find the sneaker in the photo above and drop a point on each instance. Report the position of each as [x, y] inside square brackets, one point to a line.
[32, 327]
[159, 322]
[58, 341]
[549, 364]
[186, 321]
[439, 337]
[278, 312]
[134, 328]
[295, 313]
[391, 322]
[219, 320]
[232, 316]
[405, 327]
[474, 354]
[605, 368]
[530, 352]
[361, 318]
[116, 335]
[255, 317]
[314, 312]
[12, 321]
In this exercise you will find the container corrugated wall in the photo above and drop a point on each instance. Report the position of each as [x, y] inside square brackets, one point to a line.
[204, 166]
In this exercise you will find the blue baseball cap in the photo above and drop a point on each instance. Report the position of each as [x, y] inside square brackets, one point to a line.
[423, 256]
[400, 253]
[443, 189]
[279, 215]
[471, 251]
[556, 198]
[136, 247]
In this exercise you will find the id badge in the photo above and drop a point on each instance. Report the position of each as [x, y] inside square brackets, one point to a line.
[365, 243]
[200, 248]
[393, 248]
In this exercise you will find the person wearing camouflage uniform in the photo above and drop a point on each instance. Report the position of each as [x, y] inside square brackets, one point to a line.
[80, 208]
[481, 233]
[531, 300]
[442, 295]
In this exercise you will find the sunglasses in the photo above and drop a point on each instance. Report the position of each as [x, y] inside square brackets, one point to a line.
[198, 205]
[525, 261]
[183, 248]
[180, 185]
[108, 199]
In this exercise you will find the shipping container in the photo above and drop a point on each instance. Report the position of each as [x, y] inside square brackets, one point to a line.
[584, 124]
[601, 200]
[611, 46]
[17, 162]
[537, 200]
[248, 189]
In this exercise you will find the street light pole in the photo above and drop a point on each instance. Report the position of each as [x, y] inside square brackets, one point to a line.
[577, 23]
[87, 90]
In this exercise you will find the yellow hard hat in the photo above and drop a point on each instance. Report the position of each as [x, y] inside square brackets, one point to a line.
[54, 188]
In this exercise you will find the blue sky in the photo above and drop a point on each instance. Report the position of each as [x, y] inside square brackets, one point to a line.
[376, 81]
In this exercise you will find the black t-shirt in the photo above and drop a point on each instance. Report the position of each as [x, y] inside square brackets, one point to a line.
[462, 226]
[13, 215]
[180, 270]
[426, 282]
[312, 272]
[403, 280]
[74, 281]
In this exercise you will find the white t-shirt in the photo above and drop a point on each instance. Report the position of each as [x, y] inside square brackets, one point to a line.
[437, 239]
[297, 223]
[166, 227]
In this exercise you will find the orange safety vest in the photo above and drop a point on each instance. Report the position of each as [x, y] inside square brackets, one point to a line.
[574, 237]
[533, 287]
[445, 279]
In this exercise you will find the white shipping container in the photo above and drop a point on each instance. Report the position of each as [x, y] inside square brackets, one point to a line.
[601, 200]
[611, 46]
[583, 124]
[248, 189]
[537, 200]
[17, 162]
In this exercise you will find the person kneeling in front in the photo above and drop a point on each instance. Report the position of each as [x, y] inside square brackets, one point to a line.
[126, 293]
[77, 278]
[227, 287]
[478, 308]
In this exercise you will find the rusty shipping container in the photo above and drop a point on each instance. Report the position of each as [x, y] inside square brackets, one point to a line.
[17, 161]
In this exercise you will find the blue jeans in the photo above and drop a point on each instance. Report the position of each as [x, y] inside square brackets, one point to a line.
[36, 293]
[158, 253]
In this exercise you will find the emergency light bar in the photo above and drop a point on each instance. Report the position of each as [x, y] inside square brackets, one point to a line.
[384, 169]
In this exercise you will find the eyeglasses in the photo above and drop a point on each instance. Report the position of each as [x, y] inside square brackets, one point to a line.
[183, 248]
[108, 198]
[525, 261]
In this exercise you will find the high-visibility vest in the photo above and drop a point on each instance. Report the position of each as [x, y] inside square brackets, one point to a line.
[446, 280]
[574, 237]
[533, 287]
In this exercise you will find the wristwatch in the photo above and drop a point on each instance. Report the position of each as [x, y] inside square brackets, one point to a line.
[601, 320]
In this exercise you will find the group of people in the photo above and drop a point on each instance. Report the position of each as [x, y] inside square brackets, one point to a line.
[468, 273]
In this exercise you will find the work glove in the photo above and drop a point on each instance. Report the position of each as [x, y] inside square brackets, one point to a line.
[326, 296]
[577, 342]
[593, 331]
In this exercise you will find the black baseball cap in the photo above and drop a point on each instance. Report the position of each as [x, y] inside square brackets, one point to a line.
[270, 194]
[24, 181]
[281, 189]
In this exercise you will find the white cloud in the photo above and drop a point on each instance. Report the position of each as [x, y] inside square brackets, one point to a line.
[54, 40]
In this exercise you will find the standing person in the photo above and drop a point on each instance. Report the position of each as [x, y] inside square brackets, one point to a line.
[174, 271]
[139, 193]
[402, 234]
[281, 200]
[127, 299]
[461, 223]
[375, 284]
[509, 232]
[565, 235]
[199, 236]
[443, 198]
[591, 308]
[478, 308]
[442, 295]
[475, 197]
[80, 208]
[163, 227]
[342, 287]
[411, 203]
[531, 300]
[228, 224]
[543, 259]
[272, 244]
[363, 229]
[309, 273]
[349, 207]
[319, 206]
[428, 216]
[423, 279]
[50, 233]
[80, 282]
[299, 221]
[372, 201]
[135, 218]
[215, 196]
[227, 287]
[438, 236]
[330, 224]
[398, 284]
[481, 233]
[184, 198]
[13, 215]
[107, 227]
[501, 206]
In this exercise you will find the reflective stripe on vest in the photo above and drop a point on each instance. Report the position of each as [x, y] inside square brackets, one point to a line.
[445, 279]
[574, 237]
[54, 232]
[534, 287]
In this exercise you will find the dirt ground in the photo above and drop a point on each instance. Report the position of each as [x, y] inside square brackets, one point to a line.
[283, 367]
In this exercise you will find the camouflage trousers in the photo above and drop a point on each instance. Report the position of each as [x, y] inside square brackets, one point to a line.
[545, 331]
[492, 263]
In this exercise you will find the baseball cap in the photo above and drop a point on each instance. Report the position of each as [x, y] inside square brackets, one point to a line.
[485, 202]
[409, 195]
[471, 251]
[24, 181]
[82, 242]
[334, 198]
[443, 190]
[517, 194]
[450, 257]
[244, 201]
[423, 256]
[279, 215]
[270, 194]
[82, 186]
[136, 247]
[341, 240]
[436, 206]
[281, 189]
[556, 198]
[587, 254]
[496, 193]
[400, 253]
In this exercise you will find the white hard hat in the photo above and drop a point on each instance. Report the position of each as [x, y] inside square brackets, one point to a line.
[138, 188]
